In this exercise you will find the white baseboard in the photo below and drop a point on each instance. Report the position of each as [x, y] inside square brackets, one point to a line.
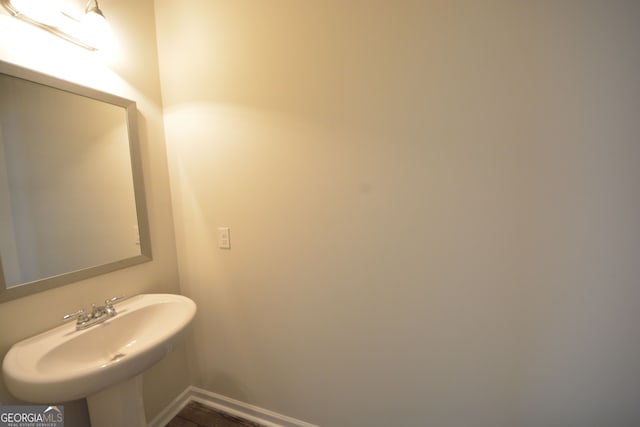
[224, 404]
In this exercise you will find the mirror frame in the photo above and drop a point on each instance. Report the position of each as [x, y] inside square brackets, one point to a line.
[131, 110]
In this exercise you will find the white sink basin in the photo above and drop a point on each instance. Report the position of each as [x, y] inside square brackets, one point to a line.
[63, 364]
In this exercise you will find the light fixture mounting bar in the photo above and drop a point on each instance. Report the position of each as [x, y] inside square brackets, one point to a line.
[53, 30]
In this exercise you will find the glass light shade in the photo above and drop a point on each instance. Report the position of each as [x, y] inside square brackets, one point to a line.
[96, 31]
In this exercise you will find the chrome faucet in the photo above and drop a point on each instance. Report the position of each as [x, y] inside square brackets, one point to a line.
[98, 314]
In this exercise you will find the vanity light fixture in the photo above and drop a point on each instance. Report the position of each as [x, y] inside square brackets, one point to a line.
[96, 31]
[93, 9]
[89, 30]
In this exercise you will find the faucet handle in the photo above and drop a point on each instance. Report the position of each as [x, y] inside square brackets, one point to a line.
[80, 314]
[109, 302]
[108, 305]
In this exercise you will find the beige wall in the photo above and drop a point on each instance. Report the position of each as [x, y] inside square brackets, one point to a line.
[132, 72]
[434, 207]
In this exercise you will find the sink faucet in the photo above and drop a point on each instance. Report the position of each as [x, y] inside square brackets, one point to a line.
[98, 314]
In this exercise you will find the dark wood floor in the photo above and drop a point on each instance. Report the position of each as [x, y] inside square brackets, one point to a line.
[197, 415]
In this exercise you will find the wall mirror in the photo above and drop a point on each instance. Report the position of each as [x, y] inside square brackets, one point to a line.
[71, 192]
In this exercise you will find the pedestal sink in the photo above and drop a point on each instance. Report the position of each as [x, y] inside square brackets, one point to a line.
[103, 363]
